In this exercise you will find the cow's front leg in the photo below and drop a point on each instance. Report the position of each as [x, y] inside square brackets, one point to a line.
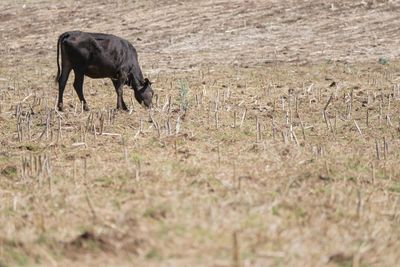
[118, 85]
[78, 86]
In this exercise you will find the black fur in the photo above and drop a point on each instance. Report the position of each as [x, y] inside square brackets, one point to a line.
[99, 55]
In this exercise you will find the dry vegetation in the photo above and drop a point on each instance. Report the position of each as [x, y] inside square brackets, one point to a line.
[274, 140]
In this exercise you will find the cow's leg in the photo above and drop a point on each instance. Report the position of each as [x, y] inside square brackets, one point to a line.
[78, 86]
[62, 81]
[118, 85]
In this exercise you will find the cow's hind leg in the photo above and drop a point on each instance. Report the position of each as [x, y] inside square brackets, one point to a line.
[78, 86]
[62, 81]
[118, 85]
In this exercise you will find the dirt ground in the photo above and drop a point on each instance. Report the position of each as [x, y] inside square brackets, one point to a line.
[273, 141]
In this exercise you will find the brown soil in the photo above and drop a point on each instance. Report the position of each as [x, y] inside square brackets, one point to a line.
[274, 140]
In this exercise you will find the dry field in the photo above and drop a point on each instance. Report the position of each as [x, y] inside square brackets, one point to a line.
[274, 140]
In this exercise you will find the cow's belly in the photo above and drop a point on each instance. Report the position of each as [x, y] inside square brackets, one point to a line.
[96, 71]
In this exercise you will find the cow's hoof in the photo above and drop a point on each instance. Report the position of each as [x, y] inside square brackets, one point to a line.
[86, 107]
[60, 107]
[124, 108]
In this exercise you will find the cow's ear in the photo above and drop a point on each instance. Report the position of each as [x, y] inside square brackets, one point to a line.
[147, 82]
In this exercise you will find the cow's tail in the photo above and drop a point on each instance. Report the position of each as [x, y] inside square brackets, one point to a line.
[62, 36]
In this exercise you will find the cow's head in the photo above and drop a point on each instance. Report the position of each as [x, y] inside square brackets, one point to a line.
[144, 94]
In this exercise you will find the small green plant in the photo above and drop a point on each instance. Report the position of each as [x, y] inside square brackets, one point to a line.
[9, 171]
[153, 254]
[156, 212]
[395, 188]
[135, 157]
[183, 87]
[383, 61]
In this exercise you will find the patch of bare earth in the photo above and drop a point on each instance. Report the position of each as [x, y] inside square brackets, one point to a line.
[274, 140]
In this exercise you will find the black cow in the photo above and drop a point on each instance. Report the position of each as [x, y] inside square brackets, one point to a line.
[99, 55]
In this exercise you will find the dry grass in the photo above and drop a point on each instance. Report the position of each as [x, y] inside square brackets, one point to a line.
[240, 163]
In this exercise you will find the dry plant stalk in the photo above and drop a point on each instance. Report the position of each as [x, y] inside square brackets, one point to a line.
[377, 150]
[358, 128]
[243, 117]
[301, 125]
[258, 130]
[294, 135]
[216, 119]
[178, 125]
[91, 208]
[235, 250]
[324, 111]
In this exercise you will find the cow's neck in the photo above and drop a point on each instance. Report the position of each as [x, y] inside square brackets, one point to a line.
[136, 84]
[137, 81]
